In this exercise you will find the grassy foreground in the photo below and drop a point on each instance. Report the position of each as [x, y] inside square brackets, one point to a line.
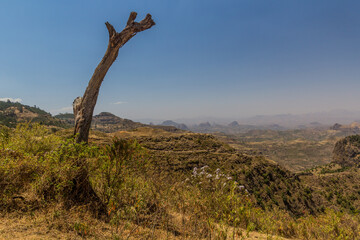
[38, 171]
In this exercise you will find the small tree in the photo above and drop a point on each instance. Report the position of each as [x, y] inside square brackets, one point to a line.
[84, 106]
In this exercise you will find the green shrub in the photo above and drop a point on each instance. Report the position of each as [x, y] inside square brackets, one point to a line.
[32, 139]
[4, 136]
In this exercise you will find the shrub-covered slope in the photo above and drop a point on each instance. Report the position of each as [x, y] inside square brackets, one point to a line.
[271, 185]
[13, 113]
[152, 184]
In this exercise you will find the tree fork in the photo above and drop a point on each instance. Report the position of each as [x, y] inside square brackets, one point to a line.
[84, 107]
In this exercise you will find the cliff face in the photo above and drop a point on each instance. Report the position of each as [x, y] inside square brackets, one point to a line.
[347, 151]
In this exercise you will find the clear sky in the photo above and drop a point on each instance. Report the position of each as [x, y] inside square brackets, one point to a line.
[223, 58]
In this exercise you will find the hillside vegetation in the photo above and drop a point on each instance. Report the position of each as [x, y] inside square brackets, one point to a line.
[153, 184]
[12, 113]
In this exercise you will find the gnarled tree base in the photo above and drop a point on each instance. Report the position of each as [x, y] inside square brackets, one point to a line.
[82, 193]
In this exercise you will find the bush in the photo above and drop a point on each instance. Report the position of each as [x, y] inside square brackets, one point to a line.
[32, 139]
[121, 177]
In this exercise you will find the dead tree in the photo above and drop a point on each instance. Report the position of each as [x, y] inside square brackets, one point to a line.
[84, 107]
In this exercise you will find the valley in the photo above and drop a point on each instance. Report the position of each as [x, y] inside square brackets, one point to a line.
[297, 150]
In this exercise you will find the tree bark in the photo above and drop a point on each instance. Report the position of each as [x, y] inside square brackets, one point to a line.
[84, 107]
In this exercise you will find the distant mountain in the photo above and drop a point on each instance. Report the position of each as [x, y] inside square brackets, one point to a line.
[175, 124]
[12, 113]
[317, 119]
[234, 124]
[205, 125]
[289, 121]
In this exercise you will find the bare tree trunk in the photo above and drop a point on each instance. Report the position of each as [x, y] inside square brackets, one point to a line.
[84, 107]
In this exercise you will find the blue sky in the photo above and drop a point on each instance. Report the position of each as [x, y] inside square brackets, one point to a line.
[233, 58]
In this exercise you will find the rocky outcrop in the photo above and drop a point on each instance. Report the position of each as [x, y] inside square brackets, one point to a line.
[336, 126]
[205, 125]
[347, 151]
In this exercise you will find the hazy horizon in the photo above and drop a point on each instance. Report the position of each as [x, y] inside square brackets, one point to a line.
[341, 116]
[230, 60]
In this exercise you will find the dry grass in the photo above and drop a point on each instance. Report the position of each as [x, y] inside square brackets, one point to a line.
[53, 224]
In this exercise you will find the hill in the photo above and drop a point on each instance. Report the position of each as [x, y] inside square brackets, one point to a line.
[108, 122]
[67, 117]
[12, 113]
[335, 186]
